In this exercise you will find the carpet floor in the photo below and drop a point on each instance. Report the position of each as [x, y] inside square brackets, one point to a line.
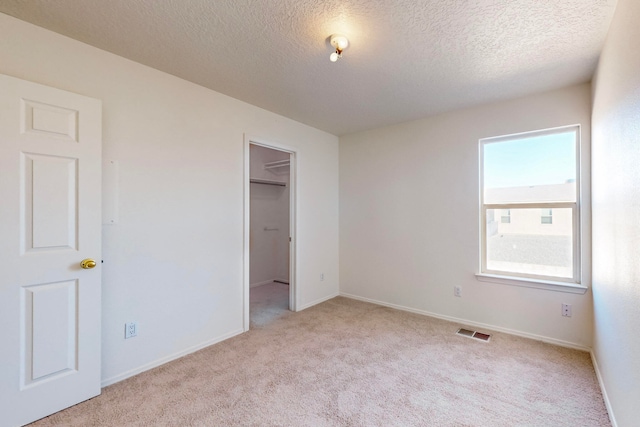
[350, 363]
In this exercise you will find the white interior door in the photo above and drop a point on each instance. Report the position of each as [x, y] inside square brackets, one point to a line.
[50, 194]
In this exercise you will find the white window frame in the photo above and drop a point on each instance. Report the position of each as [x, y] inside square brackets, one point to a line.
[572, 284]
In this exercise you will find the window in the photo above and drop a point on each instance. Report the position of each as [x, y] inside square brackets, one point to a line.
[530, 205]
[506, 216]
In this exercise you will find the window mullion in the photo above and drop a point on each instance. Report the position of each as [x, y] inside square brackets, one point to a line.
[536, 205]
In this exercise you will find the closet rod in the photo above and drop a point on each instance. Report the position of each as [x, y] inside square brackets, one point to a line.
[267, 182]
[277, 164]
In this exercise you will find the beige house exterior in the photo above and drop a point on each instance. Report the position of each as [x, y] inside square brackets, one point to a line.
[531, 241]
[546, 222]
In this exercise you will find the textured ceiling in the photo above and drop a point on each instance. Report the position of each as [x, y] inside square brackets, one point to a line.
[407, 59]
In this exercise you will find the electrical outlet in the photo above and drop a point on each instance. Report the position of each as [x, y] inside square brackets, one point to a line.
[130, 330]
[457, 291]
[322, 277]
[566, 310]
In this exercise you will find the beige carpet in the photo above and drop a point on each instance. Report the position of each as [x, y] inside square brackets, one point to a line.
[349, 363]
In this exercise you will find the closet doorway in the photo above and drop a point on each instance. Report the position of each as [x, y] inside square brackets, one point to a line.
[269, 232]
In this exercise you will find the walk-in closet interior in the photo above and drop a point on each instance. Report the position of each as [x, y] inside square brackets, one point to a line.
[269, 233]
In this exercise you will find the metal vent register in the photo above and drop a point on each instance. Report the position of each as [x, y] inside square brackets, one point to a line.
[473, 334]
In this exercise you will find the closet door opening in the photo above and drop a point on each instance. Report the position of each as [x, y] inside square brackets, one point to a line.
[268, 222]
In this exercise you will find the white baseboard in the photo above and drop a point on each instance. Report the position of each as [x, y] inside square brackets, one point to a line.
[318, 301]
[255, 285]
[607, 403]
[163, 360]
[472, 323]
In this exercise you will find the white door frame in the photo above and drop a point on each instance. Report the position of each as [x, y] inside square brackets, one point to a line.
[293, 294]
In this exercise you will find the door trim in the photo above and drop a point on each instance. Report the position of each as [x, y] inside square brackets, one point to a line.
[293, 291]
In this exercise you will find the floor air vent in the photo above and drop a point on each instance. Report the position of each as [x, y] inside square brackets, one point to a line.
[473, 334]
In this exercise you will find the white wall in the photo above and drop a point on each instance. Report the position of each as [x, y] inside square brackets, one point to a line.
[269, 228]
[175, 257]
[409, 227]
[616, 214]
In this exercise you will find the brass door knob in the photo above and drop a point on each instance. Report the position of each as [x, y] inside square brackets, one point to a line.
[87, 263]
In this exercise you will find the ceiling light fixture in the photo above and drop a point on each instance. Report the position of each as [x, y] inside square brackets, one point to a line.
[340, 43]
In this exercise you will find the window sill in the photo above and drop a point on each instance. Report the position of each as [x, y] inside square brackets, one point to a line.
[572, 288]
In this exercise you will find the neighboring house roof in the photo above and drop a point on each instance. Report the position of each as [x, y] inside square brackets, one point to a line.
[536, 193]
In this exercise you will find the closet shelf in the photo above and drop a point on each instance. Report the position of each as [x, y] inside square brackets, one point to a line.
[277, 164]
[267, 182]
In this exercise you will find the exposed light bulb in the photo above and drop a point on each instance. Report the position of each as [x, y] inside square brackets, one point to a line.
[339, 43]
[342, 43]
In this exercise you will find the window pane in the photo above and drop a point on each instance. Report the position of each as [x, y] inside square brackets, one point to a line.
[524, 245]
[531, 169]
[506, 216]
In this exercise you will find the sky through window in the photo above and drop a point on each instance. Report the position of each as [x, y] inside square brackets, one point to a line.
[530, 161]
